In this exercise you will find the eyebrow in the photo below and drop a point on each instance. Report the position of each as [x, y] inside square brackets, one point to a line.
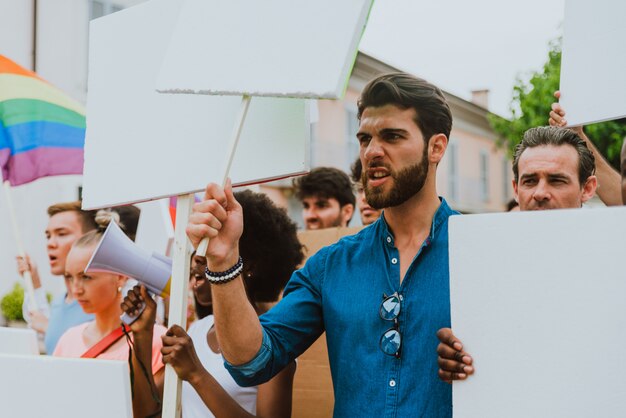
[385, 131]
[393, 131]
[559, 176]
[528, 176]
[61, 228]
[556, 176]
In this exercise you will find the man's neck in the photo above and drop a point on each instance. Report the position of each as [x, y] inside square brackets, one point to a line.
[412, 220]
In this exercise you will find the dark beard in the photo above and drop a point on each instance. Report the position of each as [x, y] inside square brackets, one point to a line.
[407, 183]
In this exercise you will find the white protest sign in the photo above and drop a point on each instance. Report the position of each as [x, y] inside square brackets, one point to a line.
[18, 341]
[593, 84]
[141, 145]
[155, 231]
[44, 386]
[538, 301]
[281, 48]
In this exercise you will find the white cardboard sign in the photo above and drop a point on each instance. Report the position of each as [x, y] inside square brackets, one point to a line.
[155, 231]
[18, 341]
[538, 300]
[141, 145]
[593, 82]
[44, 386]
[288, 48]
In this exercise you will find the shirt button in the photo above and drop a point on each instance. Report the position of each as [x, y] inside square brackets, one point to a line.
[392, 383]
[389, 239]
[394, 261]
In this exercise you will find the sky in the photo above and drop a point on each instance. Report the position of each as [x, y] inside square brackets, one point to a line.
[465, 45]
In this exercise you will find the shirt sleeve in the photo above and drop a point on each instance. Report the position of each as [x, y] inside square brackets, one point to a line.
[290, 327]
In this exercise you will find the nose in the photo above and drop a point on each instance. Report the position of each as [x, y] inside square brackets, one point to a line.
[309, 213]
[76, 286]
[51, 242]
[542, 192]
[372, 151]
[361, 197]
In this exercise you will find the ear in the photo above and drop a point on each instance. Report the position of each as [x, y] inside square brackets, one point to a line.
[437, 148]
[515, 195]
[120, 280]
[589, 188]
[347, 211]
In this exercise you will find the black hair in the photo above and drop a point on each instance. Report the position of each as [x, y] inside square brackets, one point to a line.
[326, 182]
[432, 113]
[269, 247]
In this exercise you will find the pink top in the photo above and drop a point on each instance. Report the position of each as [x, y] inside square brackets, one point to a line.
[73, 345]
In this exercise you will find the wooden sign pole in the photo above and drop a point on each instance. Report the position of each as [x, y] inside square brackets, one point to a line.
[28, 280]
[178, 300]
[234, 141]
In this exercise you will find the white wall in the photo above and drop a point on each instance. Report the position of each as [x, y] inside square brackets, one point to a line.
[62, 45]
[16, 31]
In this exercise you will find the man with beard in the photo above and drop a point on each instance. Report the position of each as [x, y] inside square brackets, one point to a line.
[327, 198]
[553, 169]
[380, 295]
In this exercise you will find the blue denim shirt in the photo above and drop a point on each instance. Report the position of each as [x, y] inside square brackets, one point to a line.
[339, 291]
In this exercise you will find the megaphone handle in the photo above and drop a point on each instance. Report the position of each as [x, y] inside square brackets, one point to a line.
[128, 319]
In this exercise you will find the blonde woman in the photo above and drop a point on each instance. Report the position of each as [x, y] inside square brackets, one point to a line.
[100, 294]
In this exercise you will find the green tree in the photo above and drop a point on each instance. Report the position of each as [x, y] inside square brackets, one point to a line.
[530, 107]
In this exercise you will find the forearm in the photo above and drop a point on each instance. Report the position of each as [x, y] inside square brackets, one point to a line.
[609, 183]
[609, 180]
[145, 389]
[237, 325]
[219, 402]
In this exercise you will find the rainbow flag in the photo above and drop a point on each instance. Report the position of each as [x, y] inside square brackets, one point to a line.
[42, 130]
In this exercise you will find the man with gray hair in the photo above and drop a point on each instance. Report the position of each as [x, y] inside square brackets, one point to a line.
[552, 169]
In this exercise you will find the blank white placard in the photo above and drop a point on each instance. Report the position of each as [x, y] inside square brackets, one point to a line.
[292, 48]
[155, 231]
[538, 300]
[142, 145]
[44, 386]
[593, 65]
[18, 341]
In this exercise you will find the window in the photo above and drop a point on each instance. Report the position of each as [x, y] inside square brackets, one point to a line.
[352, 127]
[506, 180]
[484, 175]
[453, 170]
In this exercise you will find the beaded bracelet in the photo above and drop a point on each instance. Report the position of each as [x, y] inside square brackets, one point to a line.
[221, 277]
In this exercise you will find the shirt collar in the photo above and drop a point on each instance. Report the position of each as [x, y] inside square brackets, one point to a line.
[441, 215]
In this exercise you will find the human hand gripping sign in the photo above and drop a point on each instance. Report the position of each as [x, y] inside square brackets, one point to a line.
[219, 217]
[454, 362]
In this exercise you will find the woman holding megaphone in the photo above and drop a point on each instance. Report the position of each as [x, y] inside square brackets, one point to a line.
[100, 294]
[270, 251]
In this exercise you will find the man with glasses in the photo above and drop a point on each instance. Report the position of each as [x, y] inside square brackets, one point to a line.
[380, 295]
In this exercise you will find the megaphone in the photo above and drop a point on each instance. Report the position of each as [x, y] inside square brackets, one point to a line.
[116, 253]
